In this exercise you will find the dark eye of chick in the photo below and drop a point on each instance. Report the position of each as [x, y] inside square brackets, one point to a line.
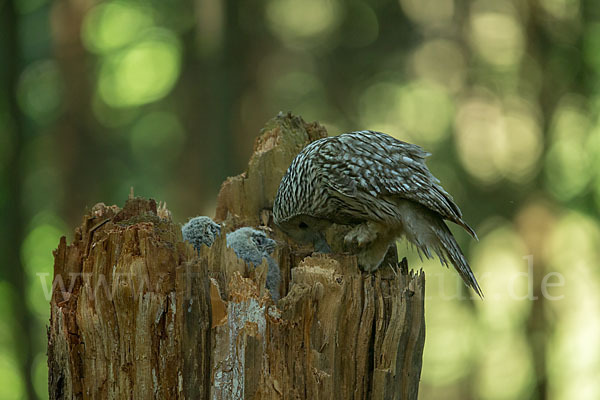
[302, 225]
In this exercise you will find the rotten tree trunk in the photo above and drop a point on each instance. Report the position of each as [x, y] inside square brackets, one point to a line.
[137, 313]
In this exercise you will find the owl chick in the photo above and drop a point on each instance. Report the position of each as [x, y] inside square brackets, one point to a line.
[378, 185]
[252, 245]
[200, 230]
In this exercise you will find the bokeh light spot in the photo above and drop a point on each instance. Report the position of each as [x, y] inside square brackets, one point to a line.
[496, 141]
[143, 72]
[507, 371]
[477, 126]
[442, 62]
[36, 255]
[567, 166]
[420, 111]
[113, 24]
[40, 91]
[425, 110]
[304, 23]
[567, 171]
[574, 245]
[429, 12]
[449, 346]
[497, 37]
[593, 148]
[522, 143]
[574, 349]
[11, 381]
[378, 108]
[561, 9]
[500, 257]
[40, 375]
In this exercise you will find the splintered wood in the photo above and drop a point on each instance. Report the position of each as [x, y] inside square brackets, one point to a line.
[137, 313]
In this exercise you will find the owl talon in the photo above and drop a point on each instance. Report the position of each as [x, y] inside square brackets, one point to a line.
[360, 236]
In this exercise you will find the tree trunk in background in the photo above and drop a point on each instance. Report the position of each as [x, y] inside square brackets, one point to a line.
[11, 207]
[75, 129]
[137, 313]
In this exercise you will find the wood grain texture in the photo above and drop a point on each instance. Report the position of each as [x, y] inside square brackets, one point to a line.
[136, 313]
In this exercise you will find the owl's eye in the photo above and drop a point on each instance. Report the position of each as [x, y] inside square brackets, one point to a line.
[302, 225]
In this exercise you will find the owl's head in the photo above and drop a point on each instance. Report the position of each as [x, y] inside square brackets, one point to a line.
[306, 229]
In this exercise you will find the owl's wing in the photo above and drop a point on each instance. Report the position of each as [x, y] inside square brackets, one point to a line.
[375, 164]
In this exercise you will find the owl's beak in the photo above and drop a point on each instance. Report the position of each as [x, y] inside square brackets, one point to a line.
[321, 245]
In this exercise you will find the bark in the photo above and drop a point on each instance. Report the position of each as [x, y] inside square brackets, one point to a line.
[138, 313]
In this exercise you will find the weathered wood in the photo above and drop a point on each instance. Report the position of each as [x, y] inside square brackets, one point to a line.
[140, 314]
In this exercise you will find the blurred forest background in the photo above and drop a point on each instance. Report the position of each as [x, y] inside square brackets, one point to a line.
[168, 95]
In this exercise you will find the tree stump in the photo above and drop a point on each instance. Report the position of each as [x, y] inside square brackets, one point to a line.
[137, 313]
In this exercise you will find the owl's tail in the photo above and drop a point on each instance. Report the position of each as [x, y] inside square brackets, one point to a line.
[428, 232]
[448, 249]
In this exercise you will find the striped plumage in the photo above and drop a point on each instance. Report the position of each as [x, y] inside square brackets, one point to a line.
[380, 186]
